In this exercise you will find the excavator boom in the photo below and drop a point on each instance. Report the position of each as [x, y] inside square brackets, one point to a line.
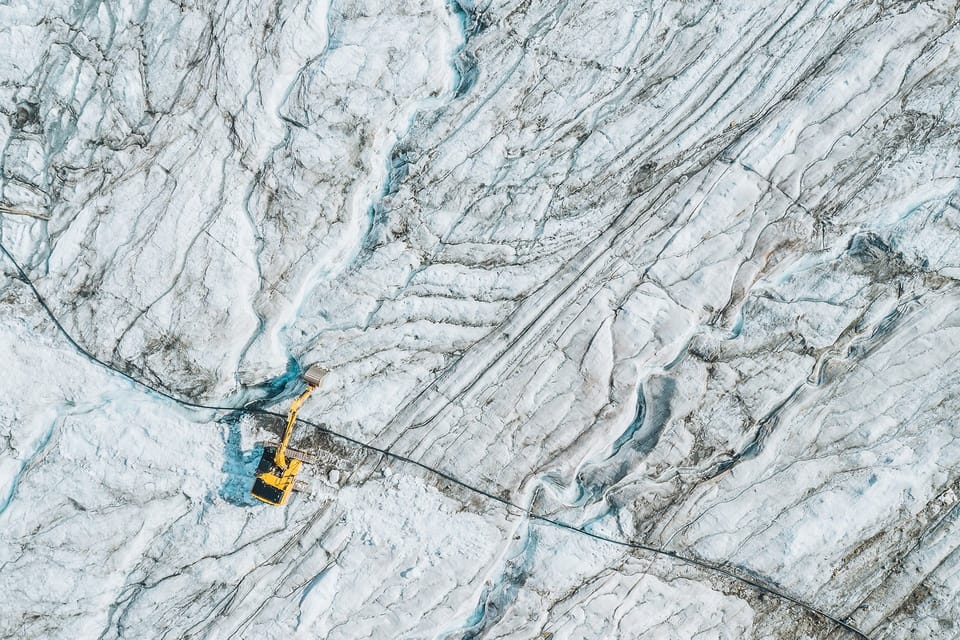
[280, 458]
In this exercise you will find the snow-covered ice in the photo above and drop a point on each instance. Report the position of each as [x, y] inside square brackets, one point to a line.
[649, 313]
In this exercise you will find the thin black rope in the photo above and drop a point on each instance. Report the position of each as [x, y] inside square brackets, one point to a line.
[754, 584]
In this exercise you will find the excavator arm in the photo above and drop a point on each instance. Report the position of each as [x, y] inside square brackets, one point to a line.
[280, 458]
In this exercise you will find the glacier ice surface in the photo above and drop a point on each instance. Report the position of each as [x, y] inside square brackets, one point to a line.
[677, 274]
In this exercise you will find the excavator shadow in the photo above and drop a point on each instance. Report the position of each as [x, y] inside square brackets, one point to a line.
[238, 467]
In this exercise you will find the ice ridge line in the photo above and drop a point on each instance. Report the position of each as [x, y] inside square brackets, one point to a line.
[750, 582]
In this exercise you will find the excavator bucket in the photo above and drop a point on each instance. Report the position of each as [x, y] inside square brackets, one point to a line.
[315, 375]
[279, 465]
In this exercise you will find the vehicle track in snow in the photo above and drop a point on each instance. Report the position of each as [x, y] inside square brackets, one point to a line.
[753, 583]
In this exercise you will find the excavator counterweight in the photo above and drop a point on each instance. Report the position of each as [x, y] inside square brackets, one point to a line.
[278, 468]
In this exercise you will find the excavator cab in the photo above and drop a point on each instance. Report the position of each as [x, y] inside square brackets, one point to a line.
[277, 471]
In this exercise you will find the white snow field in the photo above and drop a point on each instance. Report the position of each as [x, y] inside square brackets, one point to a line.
[643, 318]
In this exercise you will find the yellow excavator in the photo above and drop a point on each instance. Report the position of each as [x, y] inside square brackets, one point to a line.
[277, 472]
